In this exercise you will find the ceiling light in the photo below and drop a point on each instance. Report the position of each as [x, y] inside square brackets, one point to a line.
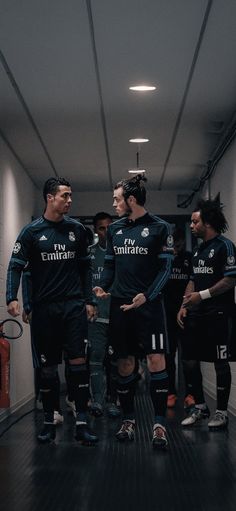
[137, 171]
[142, 88]
[138, 140]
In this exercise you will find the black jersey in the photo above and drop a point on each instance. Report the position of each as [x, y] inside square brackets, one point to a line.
[58, 259]
[212, 261]
[179, 277]
[138, 257]
[27, 290]
[97, 257]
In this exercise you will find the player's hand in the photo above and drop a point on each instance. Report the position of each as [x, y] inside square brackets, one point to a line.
[13, 308]
[181, 315]
[191, 299]
[91, 312]
[100, 293]
[26, 317]
[137, 301]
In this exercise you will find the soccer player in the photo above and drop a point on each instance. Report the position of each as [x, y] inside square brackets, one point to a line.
[98, 329]
[137, 265]
[55, 248]
[26, 317]
[206, 312]
[173, 297]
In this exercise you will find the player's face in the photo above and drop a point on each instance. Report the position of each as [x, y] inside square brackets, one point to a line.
[119, 203]
[101, 230]
[179, 246]
[60, 202]
[197, 226]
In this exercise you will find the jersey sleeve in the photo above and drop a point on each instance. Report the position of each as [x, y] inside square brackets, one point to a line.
[18, 260]
[27, 290]
[229, 259]
[165, 256]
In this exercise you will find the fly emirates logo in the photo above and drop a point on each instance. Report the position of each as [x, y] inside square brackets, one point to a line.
[59, 253]
[201, 268]
[130, 248]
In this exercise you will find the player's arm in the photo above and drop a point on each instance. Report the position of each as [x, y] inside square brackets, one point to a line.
[100, 293]
[165, 259]
[27, 290]
[162, 277]
[16, 265]
[26, 295]
[156, 287]
[164, 270]
[223, 285]
[227, 258]
[183, 310]
[108, 271]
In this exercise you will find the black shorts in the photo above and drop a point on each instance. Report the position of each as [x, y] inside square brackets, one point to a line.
[57, 327]
[138, 329]
[207, 337]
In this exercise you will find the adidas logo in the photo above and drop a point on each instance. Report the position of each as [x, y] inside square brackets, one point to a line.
[119, 232]
[43, 238]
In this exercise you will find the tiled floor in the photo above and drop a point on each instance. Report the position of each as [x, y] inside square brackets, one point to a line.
[197, 473]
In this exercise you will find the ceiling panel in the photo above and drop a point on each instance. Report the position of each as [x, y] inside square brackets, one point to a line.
[64, 75]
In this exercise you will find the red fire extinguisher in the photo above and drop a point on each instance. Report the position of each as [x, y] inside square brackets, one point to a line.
[4, 372]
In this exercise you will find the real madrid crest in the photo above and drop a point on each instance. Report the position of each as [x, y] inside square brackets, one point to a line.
[71, 236]
[145, 232]
[16, 248]
[170, 241]
[231, 260]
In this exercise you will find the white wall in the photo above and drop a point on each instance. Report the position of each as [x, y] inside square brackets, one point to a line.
[224, 181]
[16, 209]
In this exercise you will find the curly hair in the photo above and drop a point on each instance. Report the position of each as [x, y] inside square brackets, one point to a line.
[212, 214]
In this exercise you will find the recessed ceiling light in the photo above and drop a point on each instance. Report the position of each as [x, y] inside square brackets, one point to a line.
[142, 88]
[137, 171]
[138, 140]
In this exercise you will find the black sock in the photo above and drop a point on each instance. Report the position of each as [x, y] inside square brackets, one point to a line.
[193, 371]
[126, 386]
[159, 393]
[68, 382]
[79, 382]
[171, 371]
[223, 381]
[50, 397]
[112, 383]
[57, 400]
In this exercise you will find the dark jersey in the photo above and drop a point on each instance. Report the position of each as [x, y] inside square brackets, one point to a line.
[212, 261]
[138, 257]
[58, 259]
[97, 258]
[179, 277]
[27, 290]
